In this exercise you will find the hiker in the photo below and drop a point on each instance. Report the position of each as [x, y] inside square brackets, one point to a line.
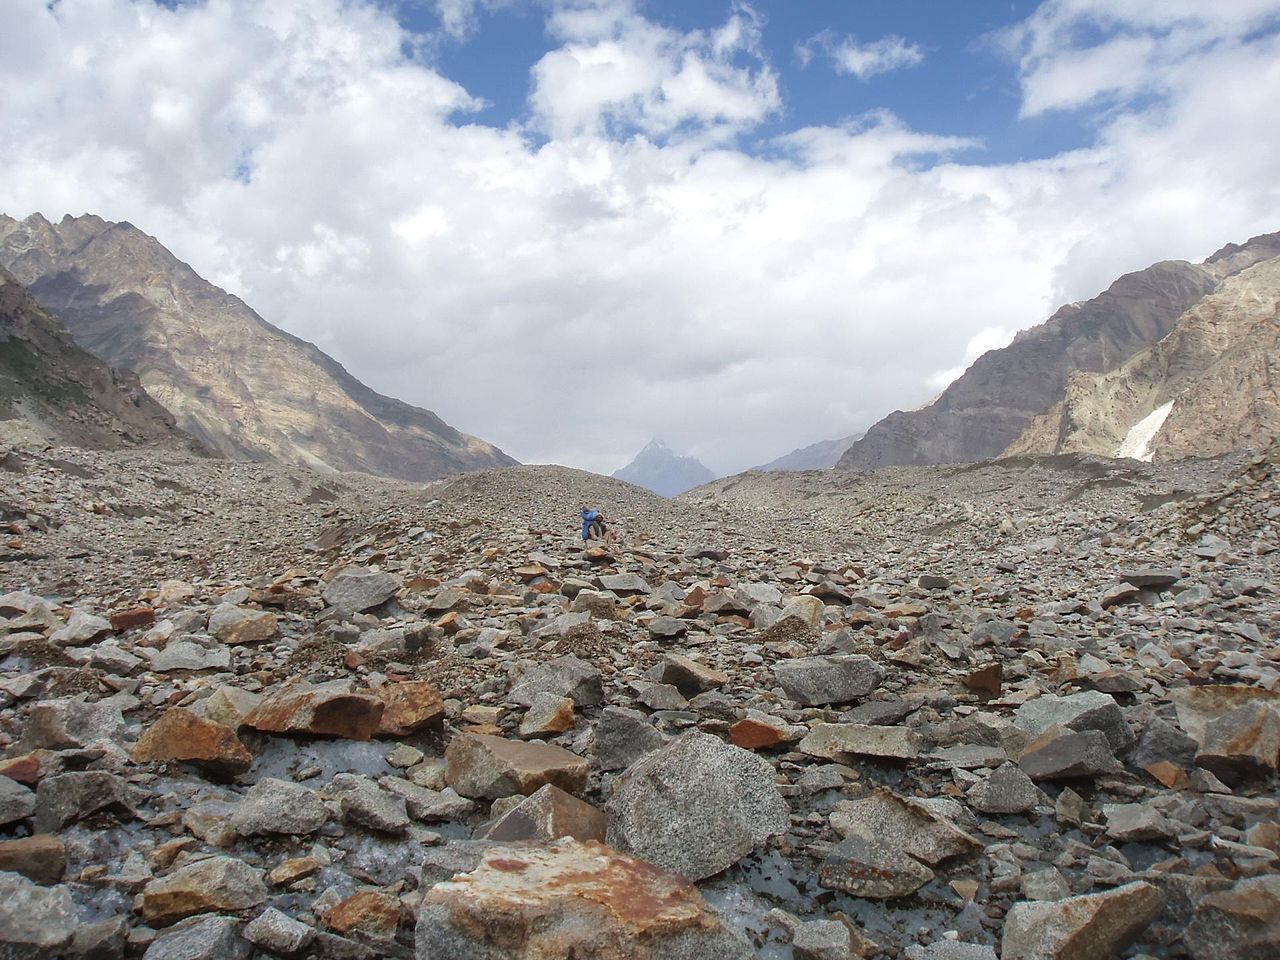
[593, 525]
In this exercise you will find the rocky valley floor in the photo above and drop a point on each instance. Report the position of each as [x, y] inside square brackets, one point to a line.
[1026, 709]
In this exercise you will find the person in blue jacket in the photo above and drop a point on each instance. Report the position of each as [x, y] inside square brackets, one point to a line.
[592, 524]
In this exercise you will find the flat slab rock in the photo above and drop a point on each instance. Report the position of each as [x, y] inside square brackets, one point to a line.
[571, 899]
[814, 681]
[331, 709]
[887, 819]
[696, 806]
[480, 765]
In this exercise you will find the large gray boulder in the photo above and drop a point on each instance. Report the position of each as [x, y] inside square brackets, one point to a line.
[622, 736]
[279, 807]
[359, 588]
[1090, 710]
[566, 676]
[814, 681]
[696, 806]
[35, 922]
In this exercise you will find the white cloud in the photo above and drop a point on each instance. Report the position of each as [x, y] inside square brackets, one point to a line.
[862, 60]
[630, 272]
[1137, 47]
[617, 71]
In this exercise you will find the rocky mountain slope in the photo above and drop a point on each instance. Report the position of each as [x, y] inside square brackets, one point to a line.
[64, 392]
[1211, 385]
[920, 714]
[816, 456]
[659, 468]
[987, 409]
[233, 381]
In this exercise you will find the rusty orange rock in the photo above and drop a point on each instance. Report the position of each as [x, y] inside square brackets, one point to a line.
[128, 619]
[409, 705]
[24, 769]
[324, 709]
[605, 905]
[181, 735]
[369, 912]
[753, 735]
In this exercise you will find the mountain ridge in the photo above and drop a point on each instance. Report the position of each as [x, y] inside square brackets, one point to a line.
[987, 409]
[236, 382]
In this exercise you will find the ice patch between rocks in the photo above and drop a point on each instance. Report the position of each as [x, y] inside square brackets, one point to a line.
[1137, 442]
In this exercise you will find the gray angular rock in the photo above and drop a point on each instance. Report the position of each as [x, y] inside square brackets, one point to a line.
[1007, 790]
[1131, 822]
[625, 583]
[1242, 923]
[70, 723]
[876, 871]
[844, 741]
[1162, 742]
[200, 938]
[81, 629]
[16, 801]
[1063, 756]
[566, 676]
[1097, 926]
[274, 806]
[902, 825]
[367, 804]
[429, 805]
[278, 932]
[189, 655]
[68, 797]
[814, 681]
[696, 806]
[950, 950]
[356, 589]
[1089, 710]
[820, 940]
[35, 922]
[622, 736]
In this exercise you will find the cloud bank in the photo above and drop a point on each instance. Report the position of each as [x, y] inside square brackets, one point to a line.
[626, 261]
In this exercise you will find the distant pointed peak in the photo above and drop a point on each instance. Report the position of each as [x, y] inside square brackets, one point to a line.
[655, 444]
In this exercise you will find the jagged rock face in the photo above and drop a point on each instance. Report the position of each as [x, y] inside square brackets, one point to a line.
[989, 407]
[1210, 386]
[659, 468]
[239, 385]
[65, 392]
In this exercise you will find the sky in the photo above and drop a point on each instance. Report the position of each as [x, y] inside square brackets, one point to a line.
[568, 226]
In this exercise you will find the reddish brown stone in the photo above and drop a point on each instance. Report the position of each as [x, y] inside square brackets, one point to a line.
[369, 912]
[449, 622]
[753, 735]
[128, 619]
[24, 769]
[410, 706]
[1171, 776]
[181, 735]
[325, 709]
[986, 681]
[41, 858]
